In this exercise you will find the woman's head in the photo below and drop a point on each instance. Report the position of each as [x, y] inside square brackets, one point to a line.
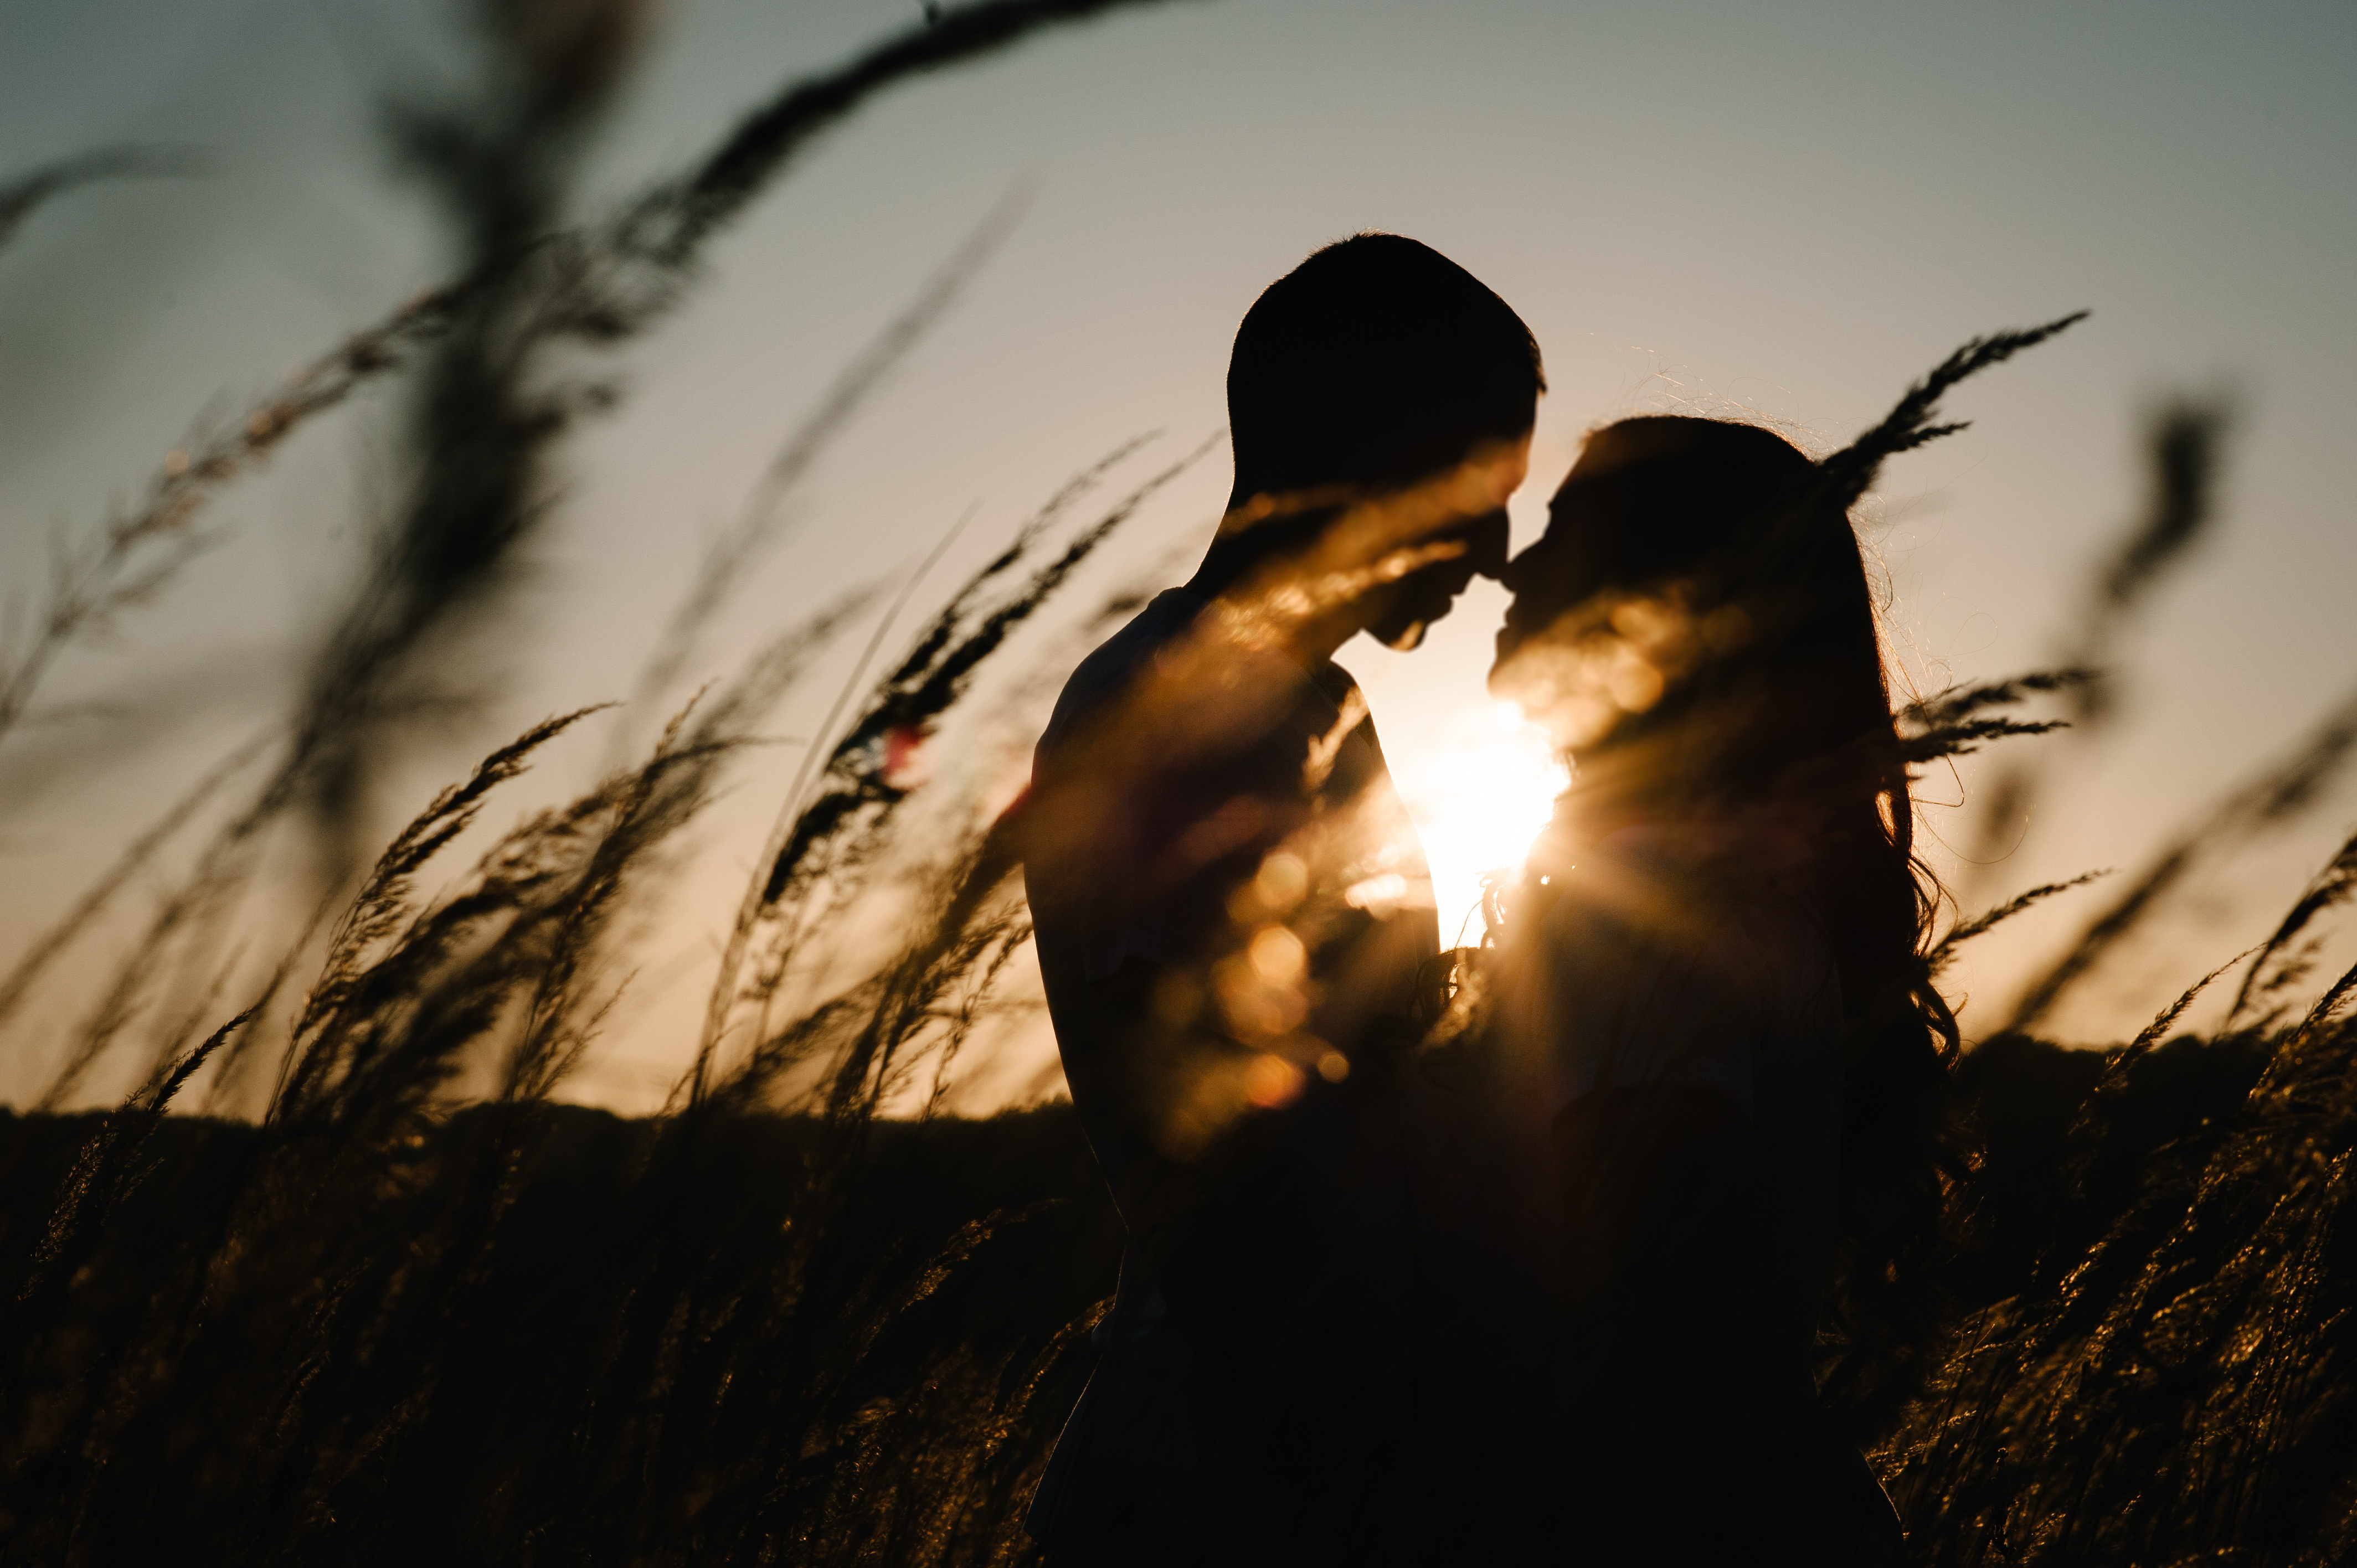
[1690, 624]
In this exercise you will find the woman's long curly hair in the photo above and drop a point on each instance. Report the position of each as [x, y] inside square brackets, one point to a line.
[1699, 627]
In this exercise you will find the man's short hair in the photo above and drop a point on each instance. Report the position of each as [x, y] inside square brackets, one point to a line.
[1375, 362]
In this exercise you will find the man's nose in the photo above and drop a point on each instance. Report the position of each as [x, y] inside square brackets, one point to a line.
[1485, 545]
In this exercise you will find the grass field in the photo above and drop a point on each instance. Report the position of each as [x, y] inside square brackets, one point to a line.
[750, 1338]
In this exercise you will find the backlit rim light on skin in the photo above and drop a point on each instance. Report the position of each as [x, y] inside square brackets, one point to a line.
[1478, 800]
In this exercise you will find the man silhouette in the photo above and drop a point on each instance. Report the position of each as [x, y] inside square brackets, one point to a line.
[1230, 902]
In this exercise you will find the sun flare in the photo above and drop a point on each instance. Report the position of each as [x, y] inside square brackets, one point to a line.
[1479, 799]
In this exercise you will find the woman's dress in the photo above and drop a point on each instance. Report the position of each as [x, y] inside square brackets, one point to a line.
[1670, 1031]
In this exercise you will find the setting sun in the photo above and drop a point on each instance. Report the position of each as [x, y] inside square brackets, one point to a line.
[1479, 799]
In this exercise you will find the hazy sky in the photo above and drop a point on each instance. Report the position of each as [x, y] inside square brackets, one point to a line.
[1780, 209]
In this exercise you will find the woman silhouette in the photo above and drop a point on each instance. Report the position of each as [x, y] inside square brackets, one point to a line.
[1711, 999]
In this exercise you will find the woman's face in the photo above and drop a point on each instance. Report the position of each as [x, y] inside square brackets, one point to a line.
[1566, 673]
[1546, 579]
[1579, 652]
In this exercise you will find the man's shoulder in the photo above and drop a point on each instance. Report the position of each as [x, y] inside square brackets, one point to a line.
[1115, 664]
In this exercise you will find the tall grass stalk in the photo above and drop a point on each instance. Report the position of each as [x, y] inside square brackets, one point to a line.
[598, 283]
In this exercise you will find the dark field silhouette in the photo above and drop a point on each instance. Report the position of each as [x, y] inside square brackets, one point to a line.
[797, 1347]
[858, 1354]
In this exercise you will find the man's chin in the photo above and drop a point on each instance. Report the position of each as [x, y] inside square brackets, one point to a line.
[1404, 628]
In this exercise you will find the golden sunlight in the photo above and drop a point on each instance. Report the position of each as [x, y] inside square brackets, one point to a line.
[1479, 799]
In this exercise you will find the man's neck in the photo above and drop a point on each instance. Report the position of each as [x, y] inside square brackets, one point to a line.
[1308, 642]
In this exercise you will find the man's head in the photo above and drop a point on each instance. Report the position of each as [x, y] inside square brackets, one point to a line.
[1375, 364]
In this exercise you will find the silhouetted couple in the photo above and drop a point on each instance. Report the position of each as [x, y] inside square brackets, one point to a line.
[1515, 1255]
